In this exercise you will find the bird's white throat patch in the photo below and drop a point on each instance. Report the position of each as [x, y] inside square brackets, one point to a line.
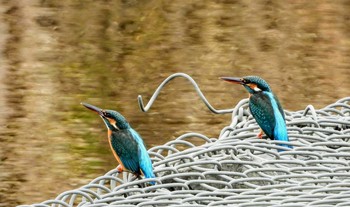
[256, 88]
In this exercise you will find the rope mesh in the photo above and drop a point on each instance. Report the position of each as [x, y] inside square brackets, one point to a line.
[238, 169]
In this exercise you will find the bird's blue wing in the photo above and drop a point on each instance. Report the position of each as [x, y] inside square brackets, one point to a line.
[144, 159]
[279, 107]
[280, 130]
[126, 148]
[261, 108]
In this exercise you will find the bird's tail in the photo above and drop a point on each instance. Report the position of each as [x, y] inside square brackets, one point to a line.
[148, 173]
[281, 134]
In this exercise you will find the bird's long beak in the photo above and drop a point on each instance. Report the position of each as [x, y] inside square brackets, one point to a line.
[93, 108]
[232, 80]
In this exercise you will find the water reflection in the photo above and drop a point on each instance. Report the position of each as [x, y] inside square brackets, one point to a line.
[57, 53]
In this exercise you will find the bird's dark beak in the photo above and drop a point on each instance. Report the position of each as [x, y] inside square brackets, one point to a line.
[232, 80]
[93, 108]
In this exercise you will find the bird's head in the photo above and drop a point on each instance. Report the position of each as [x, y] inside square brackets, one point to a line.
[113, 120]
[253, 84]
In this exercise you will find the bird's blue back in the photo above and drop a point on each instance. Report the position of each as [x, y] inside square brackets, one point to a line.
[280, 129]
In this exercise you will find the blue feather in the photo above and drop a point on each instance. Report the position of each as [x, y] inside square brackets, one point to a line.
[130, 164]
[144, 159]
[280, 129]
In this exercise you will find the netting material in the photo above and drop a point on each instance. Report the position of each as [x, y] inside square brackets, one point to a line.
[238, 169]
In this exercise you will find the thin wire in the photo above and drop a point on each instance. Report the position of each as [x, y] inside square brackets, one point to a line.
[196, 87]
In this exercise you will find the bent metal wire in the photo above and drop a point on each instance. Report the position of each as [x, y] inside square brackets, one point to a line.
[237, 169]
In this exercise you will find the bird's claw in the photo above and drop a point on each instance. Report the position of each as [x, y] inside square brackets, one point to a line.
[260, 135]
[120, 169]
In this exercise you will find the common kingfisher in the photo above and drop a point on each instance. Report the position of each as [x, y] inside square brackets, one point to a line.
[265, 107]
[126, 144]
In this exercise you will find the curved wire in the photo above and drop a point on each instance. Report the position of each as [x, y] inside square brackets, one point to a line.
[196, 87]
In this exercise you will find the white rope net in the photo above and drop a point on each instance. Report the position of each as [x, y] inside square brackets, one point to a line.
[238, 169]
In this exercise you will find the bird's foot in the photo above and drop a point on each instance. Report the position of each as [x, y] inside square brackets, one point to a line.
[120, 169]
[260, 135]
[138, 176]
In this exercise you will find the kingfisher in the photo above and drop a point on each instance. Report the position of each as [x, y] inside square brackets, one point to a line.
[126, 144]
[265, 107]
